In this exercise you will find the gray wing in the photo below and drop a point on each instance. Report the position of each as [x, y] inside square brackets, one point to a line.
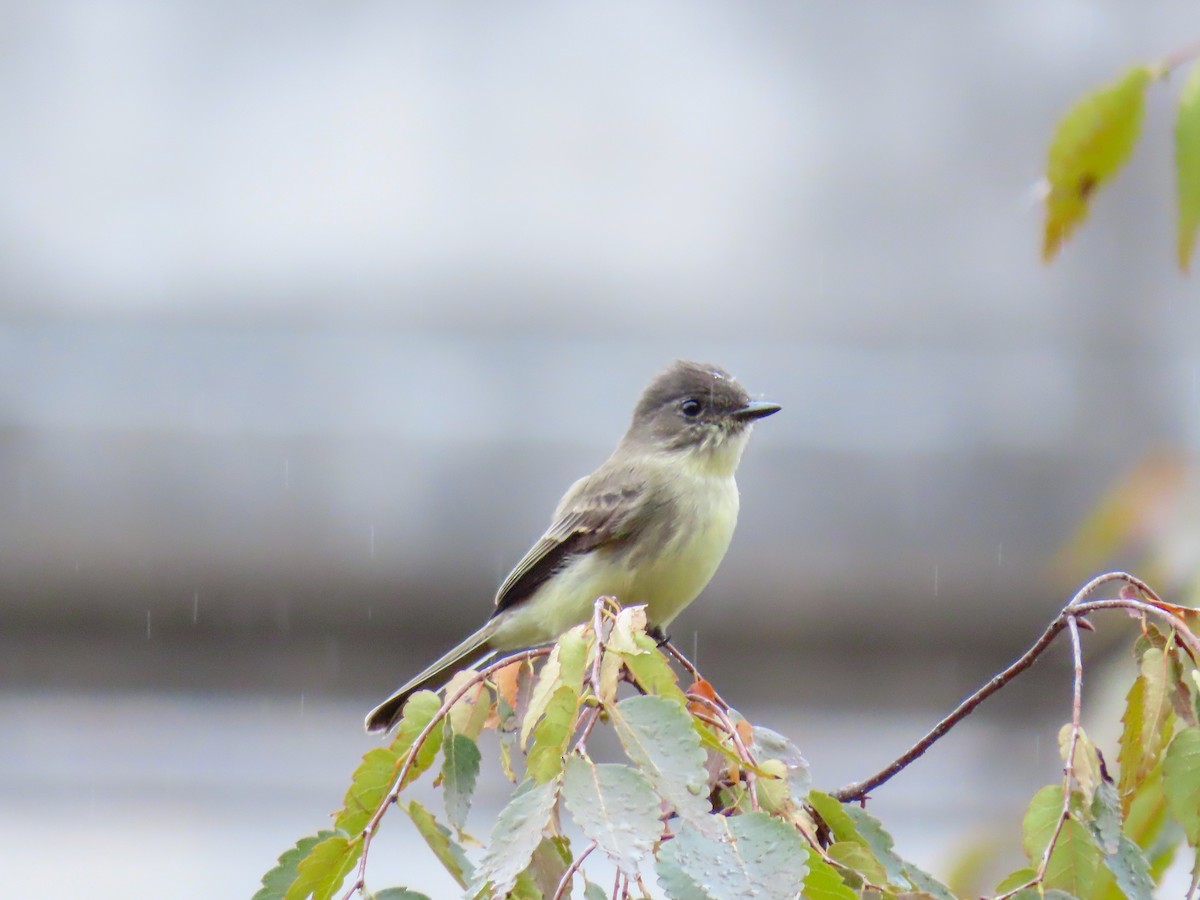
[597, 510]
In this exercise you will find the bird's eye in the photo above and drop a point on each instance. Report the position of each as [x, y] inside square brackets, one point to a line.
[691, 408]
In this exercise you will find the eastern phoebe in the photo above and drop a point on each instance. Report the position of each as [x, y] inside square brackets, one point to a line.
[649, 526]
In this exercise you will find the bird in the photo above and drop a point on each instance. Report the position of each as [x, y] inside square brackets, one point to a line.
[649, 526]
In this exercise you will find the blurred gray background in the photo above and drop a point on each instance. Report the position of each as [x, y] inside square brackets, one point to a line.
[309, 312]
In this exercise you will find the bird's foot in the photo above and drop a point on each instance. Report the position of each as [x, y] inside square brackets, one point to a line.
[660, 636]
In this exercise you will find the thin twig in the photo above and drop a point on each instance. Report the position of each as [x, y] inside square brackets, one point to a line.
[1078, 607]
[410, 757]
[692, 670]
[728, 726]
[564, 883]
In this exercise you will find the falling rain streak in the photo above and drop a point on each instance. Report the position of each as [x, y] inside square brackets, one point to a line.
[147, 624]
[195, 606]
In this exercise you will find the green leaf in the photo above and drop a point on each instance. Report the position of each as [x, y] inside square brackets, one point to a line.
[658, 738]
[841, 825]
[593, 892]
[770, 744]
[553, 732]
[515, 836]
[563, 668]
[368, 786]
[460, 769]
[1187, 166]
[615, 806]
[858, 857]
[1015, 879]
[1148, 723]
[540, 879]
[276, 882]
[1122, 856]
[448, 851]
[880, 844]
[755, 856]
[824, 882]
[1075, 860]
[926, 883]
[1091, 143]
[1181, 782]
[322, 872]
[395, 893]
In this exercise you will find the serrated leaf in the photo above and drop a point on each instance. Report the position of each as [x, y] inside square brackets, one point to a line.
[1122, 857]
[615, 806]
[460, 769]
[754, 856]
[368, 786]
[447, 850]
[276, 882]
[552, 734]
[926, 883]
[1091, 143]
[1075, 861]
[1130, 754]
[773, 745]
[1181, 782]
[858, 857]
[658, 738]
[880, 844]
[395, 893]
[470, 714]
[516, 835]
[841, 825]
[1187, 166]
[824, 882]
[1147, 811]
[322, 872]
[548, 681]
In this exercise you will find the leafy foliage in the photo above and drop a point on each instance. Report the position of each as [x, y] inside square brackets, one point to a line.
[716, 808]
[1095, 138]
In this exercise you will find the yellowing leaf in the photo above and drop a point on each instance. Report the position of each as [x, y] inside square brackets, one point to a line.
[322, 872]
[1092, 141]
[545, 760]
[1187, 166]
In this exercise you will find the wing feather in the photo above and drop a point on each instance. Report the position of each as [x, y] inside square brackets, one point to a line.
[594, 511]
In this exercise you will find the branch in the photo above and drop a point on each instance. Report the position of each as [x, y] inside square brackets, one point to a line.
[1074, 610]
[410, 757]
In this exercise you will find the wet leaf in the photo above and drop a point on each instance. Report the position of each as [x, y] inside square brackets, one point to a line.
[880, 844]
[658, 738]
[752, 856]
[1187, 166]
[540, 879]
[447, 850]
[615, 806]
[1091, 143]
[516, 835]
[841, 825]
[460, 769]
[395, 893]
[1122, 857]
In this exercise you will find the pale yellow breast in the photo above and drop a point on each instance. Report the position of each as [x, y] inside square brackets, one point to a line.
[689, 559]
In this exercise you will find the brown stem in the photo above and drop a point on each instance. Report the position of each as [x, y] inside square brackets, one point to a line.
[1077, 607]
[564, 883]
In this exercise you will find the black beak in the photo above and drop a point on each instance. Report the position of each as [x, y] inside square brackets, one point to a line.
[756, 409]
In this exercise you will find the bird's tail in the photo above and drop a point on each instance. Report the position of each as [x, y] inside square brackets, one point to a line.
[472, 650]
